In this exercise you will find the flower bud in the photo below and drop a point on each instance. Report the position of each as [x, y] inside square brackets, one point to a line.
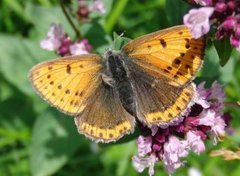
[220, 7]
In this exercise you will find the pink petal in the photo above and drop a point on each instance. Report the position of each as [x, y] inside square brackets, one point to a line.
[82, 47]
[54, 38]
[98, 5]
[144, 145]
[197, 20]
[204, 2]
[195, 142]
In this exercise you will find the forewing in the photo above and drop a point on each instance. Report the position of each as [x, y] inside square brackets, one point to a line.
[171, 53]
[104, 119]
[66, 83]
[159, 103]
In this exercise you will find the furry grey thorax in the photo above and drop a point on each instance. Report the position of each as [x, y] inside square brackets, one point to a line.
[117, 77]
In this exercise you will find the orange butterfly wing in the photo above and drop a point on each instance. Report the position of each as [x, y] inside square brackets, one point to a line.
[74, 85]
[171, 53]
[159, 103]
[162, 65]
[66, 83]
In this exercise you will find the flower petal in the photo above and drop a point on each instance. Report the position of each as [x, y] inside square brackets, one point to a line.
[197, 20]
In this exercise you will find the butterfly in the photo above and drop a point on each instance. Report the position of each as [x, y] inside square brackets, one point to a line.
[149, 80]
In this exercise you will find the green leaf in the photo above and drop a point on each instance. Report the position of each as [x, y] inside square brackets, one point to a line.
[15, 6]
[43, 17]
[119, 41]
[17, 57]
[5, 89]
[211, 67]
[212, 70]
[224, 50]
[54, 140]
[118, 157]
[175, 11]
[116, 12]
[227, 72]
[15, 163]
[94, 32]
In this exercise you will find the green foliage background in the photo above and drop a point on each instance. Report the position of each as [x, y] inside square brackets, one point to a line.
[36, 139]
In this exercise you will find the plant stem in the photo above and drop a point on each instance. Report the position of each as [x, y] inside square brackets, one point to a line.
[232, 104]
[77, 32]
[115, 14]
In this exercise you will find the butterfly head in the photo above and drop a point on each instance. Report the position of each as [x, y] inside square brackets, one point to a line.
[115, 67]
[111, 53]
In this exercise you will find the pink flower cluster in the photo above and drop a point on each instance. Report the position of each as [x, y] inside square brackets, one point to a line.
[57, 40]
[225, 14]
[170, 145]
[84, 9]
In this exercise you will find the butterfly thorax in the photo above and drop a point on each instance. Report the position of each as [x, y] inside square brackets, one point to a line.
[117, 72]
[117, 68]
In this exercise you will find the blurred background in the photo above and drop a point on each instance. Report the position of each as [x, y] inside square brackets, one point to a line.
[35, 139]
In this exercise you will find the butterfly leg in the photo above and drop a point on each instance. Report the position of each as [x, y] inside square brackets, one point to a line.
[108, 79]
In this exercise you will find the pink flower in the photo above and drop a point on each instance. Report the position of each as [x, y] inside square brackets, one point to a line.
[57, 40]
[220, 7]
[82, 47]
[205, 118]
[201, 97]
[237, 30]
[154, 130]
[197, 20]
[144, 145]
[174, 149]
[85, 8]
[141, 163]
[63, 50]
[210, 98]
[204, 2]
[98, 6]
[235, 42]
[195, 142]
[217, 124]
[225, 15]
[54, 38]
[217, 93]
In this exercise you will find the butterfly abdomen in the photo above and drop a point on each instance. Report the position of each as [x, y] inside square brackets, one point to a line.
[119, 74]
[127, 97]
